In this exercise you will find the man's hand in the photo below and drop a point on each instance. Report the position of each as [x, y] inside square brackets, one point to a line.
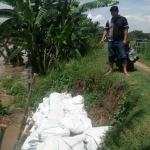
[125, 42]
[102, 42]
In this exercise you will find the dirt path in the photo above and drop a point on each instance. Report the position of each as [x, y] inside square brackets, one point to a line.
[13, 121]
[142, 67]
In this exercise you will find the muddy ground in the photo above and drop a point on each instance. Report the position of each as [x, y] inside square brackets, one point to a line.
[12, 120]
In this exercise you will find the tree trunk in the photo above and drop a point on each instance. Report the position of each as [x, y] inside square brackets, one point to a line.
[34, 57]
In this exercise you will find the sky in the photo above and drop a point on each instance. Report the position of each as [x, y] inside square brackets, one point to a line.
[137, 13]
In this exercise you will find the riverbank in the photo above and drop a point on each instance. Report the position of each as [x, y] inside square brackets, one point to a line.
[12, 120]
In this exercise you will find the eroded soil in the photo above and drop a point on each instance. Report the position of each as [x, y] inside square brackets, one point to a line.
[103, 115]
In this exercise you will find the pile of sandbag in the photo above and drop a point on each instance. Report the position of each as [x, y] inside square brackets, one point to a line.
[61, 123]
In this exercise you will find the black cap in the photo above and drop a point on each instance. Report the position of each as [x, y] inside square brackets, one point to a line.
[114, 8]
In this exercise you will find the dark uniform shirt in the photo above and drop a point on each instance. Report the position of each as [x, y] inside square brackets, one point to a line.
[116, 27]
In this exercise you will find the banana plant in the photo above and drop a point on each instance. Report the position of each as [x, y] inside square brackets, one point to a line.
[64, 23]
[20, 23]
[39, 24]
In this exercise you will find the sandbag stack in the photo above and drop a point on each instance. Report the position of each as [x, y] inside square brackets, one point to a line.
[61, 123]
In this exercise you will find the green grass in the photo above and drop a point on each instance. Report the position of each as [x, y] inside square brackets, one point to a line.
[16, 88]
[86, 76]
[132, 120]
[144, 57]
[134, 133]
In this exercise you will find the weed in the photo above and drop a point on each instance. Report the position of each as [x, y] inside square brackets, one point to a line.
[18, 89]
[14, 87]
[4, 109]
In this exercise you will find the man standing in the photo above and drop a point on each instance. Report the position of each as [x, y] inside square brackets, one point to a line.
[117, 30]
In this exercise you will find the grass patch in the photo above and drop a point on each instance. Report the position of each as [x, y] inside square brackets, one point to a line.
[130, 95]
[123, 101]
[16, 88]
[144, 57]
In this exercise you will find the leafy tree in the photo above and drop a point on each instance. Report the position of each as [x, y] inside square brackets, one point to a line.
[48, 29]
[138, 34]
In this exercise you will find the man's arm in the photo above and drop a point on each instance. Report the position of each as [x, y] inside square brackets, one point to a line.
[106, 29]
[125, 36]
[103, 37]
[126, 27]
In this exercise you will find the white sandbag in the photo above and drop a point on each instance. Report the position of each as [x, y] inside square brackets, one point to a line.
[32, 141]
[74, 100]
[41, 107]
[77, 124]
[35, 115]
[37, 118]
[75, 109]
[42, 110]
[56, 116]
[66, 96]
[63, 143]
[50, 143]
[55, 98]
[94, 137]
[57, 107]
[56, 112]
[46, 123]
[71, 107]
[53, 129]
[78, 99]
[36, 147]
[52, 112]
[46, 101]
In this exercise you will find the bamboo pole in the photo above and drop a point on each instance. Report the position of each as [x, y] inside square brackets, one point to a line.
[2, 132]
[22, 135]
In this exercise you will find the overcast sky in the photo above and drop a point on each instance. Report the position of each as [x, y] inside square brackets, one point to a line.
[137, 13]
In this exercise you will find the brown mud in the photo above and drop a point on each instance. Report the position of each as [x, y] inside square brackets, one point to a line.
[13, 120]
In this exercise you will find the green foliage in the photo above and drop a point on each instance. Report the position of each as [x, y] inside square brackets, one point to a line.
[97, 4]
[82, 75]
[18, 89]
[54, 26]
[86, 76]
[15, 53]
[138, 34]
[15, 88]
[6, 13]
[95, 89]
[20, 101]
[145, 57]
[125, 106]
[4, 109]
[25, 9]
[91, 99]
[8, 82]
